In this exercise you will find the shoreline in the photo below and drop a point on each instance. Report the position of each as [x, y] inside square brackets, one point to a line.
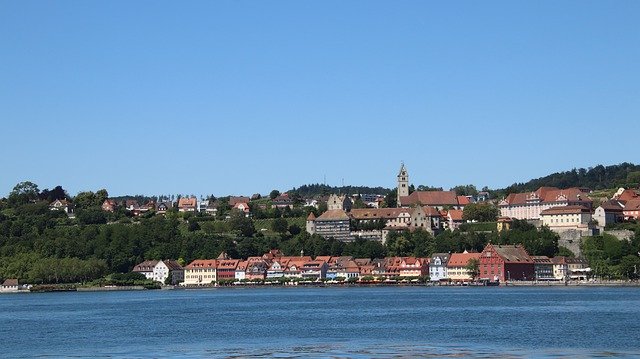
[72, 288]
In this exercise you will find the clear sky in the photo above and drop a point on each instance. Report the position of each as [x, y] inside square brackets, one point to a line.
[239, 97]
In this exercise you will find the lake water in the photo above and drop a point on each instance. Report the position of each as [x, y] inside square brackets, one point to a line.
[363, 322]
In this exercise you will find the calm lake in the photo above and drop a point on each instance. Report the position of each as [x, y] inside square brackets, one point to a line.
[386, 322]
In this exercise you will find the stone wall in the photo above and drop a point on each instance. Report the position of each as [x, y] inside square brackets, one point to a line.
[571, 239]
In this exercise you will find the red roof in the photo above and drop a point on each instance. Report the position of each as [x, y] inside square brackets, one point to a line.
[463, 200]
[632, 205]
[549, 194]
[508, 253]
[461, 259]
[333, 215]
[187, 202]
[378, 213]
[430, 198]
[627, 194]
[202, 263]
[565, 210]
[455, 214]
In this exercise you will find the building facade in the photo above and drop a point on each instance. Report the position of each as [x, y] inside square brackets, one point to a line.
[500, 263]
[200, 272]
[331, 224]
[530, 205]
[438, 267]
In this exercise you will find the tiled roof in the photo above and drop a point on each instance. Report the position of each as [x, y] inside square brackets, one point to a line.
[461, 259]
[511, 253]
[362, 261]
[632, 205]
[628, 194]
[10, 283]
[564, 210]
[443, 256]
[333, 215]
[228, 264]
[146, 266]
[242, 265]
[378, 213]
[187, 202]
[233, 200]
[463, 200]
[430, 198]
[548, 194]
[172, 264]
[455, 214]
[541, 259]
[202, 263]
[611, 206]
[430, 211]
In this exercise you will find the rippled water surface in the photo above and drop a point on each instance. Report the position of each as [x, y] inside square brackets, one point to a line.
[387, 322]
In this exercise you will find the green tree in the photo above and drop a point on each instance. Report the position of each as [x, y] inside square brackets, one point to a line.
[92, 215]
[23, 192]
[85, 200]
[481, 212]
[294, 229]
[239, 222]
[473, 268]
[273, 194]
[630, 266]
[51, 195]
[465, 190]
[358, 203]
[279, 225]
[391, 199]
[565, 252]
[101, 196]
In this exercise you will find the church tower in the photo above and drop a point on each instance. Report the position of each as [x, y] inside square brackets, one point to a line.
[403, 183]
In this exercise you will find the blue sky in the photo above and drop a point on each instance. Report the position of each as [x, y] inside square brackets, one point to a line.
[238, 97]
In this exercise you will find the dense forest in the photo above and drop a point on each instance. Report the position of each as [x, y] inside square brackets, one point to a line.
[595, 178]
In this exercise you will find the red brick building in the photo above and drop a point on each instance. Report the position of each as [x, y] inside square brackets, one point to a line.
[506, 262]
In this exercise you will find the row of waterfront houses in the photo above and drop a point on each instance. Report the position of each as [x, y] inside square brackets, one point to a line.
[496, 263]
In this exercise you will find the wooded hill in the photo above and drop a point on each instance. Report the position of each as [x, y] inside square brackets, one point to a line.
[595, 178]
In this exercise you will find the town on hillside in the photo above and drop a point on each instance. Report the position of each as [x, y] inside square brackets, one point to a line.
[424, 235]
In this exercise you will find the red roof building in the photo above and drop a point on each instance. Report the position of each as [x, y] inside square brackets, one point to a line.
[438, 199]
[505, 263]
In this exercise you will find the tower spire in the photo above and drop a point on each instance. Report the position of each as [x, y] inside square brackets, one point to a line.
[403, 183]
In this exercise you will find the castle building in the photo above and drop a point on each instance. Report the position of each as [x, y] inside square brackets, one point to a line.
[339, 202]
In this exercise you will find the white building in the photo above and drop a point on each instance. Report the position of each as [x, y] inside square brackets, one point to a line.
[146, 268]
[438, 267]
[530, 205]
[565, 218]
[167, 267]
[609, 212]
